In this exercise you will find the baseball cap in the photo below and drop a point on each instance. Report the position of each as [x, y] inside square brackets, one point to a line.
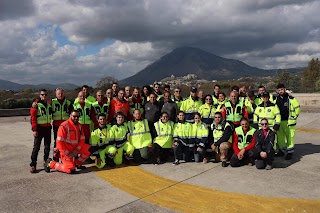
[265, 94]
[193, 89]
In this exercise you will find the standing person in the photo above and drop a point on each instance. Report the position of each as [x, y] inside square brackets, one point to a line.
[101, 105]
[169, 106]
[162, 142]
[119, 136]
[221, 101]
[101, 146]
[251, 105]
[88, 98]
[166, 89]
[115, 89]
[146, 91]
[222, 138]
[118, 104]
[234, 110]
[61, 109]
[181, 138]
[215, 95]
[242, 93]
[70, 143]
[199, 139]
[243, 143]
[269, 111]
[264, 151]
[152, 112]
[109, 95]
[177, 98]
[136, 101]
[140, 137]
[207, 111]
[87, 116]
[191, 105]
[201, 96]
[261, 90]
[156, 89]
[41, 116]
[289, 111]
[127, 91]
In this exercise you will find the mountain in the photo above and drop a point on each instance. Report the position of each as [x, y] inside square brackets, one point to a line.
[188, 60]
[8, 85]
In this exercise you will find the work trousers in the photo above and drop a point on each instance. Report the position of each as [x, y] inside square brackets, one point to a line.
[181, 150]
[260, 162]
[285, 137]
[223, 150]
[128, 148]
[141, 155]
[199, 155]
[248, 157]
[109, 150]
[160, 153]
[45, 134]
[68, 164]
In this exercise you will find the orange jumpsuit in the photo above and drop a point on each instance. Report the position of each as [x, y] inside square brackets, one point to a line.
[70, 137]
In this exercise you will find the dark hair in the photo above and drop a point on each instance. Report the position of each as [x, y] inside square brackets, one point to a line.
[218, 113]
[162, 113]
[197, 113]
[217, 85]
[43, 90]
[205, 97]
[280, 86]
[235, 87]
[181, 112]
[75, 110]
[102, 115]
[222, 94]
[167, 86]
[261, 87]
[119, 114]
[264, 119]
[244, 119]
[85, 86]
[251, 93]
[156, 84]
[114, 83]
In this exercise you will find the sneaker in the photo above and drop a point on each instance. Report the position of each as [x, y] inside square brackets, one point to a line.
[288, 156]
[269, 167]
[47, 165]
[205, 160]
[80, 167]
[33, 169]
[224, 164]
[250, 164]
[279, 153]
[157, 162]
[176, 162]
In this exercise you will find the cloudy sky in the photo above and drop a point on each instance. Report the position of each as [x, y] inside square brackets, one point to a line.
[80, 41]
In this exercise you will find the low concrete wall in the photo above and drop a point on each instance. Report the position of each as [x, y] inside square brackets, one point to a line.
[14, 112]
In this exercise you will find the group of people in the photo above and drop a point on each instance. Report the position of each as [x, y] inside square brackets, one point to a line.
[145, 126]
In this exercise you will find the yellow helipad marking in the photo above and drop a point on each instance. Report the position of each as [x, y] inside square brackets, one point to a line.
[317, 131]
[189, 198]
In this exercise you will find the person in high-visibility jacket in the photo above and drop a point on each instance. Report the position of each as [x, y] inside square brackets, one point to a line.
[71, 145]
[41, 116]
[177, 98]
[243, 141]
[259, 99]
[234, 110]
[101, 146]
[269, 111]
[101, 105]
[289, 110]
[199, 139]
[136, 101]
[139, 137]
[222, 99]
[162, 142]
[87, 118]
[119, 138]
[222, 138]
[87, 97]
[251, 105]
[182, 141]
[215, 95]
[191, 105]
[207, 111]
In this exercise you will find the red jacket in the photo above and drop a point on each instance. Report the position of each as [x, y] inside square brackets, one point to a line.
[235, 143]
[34, 114]
[245, 113]
[117, 105]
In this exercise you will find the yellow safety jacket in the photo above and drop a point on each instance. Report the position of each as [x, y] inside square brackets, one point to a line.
[140, 136]
[101, 109]
[190, 106]
[100, 139]
[234, 115]
[207, 113]
[219, 130]
[60, 112]
[182, 133]
[244, 139]
[85, 114]
[164, 134]
[269, 111]
[119, 134]
[44, 115]
[199, 134]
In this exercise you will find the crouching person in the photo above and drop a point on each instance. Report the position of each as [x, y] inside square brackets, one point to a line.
[101, 146]
[199, 138]
[243, 143]
[163, 139]
[140, 137]
[264, 146]
[71, 145]
[119, 138]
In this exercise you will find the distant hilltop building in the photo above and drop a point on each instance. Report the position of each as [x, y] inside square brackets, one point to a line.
[190, 79]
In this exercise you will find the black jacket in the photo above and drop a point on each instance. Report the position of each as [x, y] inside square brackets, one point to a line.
[264, 144]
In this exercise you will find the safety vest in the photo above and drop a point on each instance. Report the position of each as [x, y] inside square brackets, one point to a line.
[199, 134]
[60, 112]
[178, 102]
[140, 136]
[100, 138]
[85, 114]
[294, 110]
[189, 106]
[119, 134]
[219, 130]
[101, 109]
[270, 112]
[259, 99]
[134, 106]
[207, 113]
[90, 99]
[244, 139]
[236, 114]
[165, 134]
[182, 132]
[44, 115]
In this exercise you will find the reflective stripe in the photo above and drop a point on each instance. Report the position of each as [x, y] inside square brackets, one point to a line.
[139, 133]
[120, 145]
[78, 148]
[66, 152]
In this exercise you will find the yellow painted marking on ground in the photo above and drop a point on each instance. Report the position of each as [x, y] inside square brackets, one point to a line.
[189, 198]
[316, 131]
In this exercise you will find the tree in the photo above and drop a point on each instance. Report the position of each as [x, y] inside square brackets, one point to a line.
[310, 75]
[106, 82]
[285, 78]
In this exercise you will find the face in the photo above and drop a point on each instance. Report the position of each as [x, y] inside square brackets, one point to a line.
[74, 116]
[233, 96]
[127, 90]
[264, 124]
[121, 94]
[81, 97]
[261, 90]
[102, 121]
[115, 87]
[164, 118]
[177, 92]
[85, 91]
[137, 115]
[145, 90]
[221, 97]
[193, 94]
[156, 88]
[245, 125]
[180, 116]
[265, 99]
[59, 94]
[99, 96]
[217, 118]
[136, 92]
[281, 91]
[209, 100]
[120, 119]
[167, 89]
[109, 93]
[197, 119]
[43, 95]
[166, 96]
[152, 98]
[243, 90]
[216, 90]
[201, 94]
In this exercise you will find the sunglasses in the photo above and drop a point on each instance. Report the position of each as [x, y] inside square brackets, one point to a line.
[217, 117]
[208, 99]
[264, 124]
[99, 95]
[75, 116]
[177, 91]
[44, 94]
